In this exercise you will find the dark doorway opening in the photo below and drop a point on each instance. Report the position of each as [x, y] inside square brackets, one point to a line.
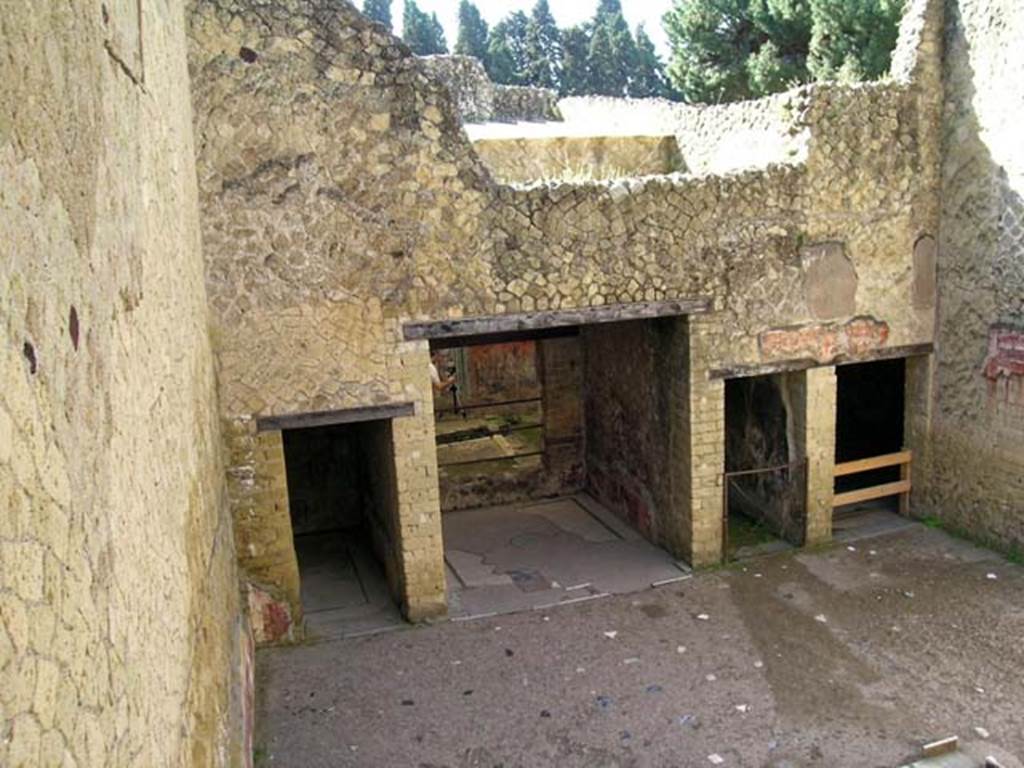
[870, 421]
[764, 485]
[343, 506]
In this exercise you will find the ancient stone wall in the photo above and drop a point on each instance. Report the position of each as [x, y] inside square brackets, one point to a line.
[341, 199]
[121, 638]
[479, 100]
[712, 138]
[576, 158]
[975, 463]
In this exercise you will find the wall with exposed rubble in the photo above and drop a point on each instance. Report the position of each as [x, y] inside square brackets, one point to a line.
[121, 638]
[577, 158]
[719, 138]
[975, 469]
[341, 199]
[478, 100]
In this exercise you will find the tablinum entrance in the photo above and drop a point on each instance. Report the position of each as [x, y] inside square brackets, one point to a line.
[489, 423]
[611, 383]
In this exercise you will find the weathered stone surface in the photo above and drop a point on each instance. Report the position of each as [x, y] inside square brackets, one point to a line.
[830, 281]
[826, 341]
[575, 158]
[121, 633]
[925, 260]
[973, 472]
[479, 100]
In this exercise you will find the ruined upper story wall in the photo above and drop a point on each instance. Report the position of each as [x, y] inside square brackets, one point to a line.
[720, 138]
[341, 197]
[575, 158]
[479, 100]
[976, 459]
[120, 633]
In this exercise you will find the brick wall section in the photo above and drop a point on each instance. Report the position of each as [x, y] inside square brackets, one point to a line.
[813, 397]
[706, 448]
[258, 493]
[419, 500]
[656, 433]
[419, 539]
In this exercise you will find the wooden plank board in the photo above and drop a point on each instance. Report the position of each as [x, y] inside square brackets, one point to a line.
[875, 462]
[874, 492]
[328, 418]
[487, 325]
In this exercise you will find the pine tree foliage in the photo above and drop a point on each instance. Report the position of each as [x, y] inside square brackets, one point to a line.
[737, 49]
[649, 77]
[853, 39]
[600, 56]
[507, 60]
[576, 76]
[472, 37]
[378, 10]
[612, 51]
[543, 54]
[422, 32]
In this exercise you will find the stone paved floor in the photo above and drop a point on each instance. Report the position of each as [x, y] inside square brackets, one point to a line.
[517, 557]
[841, 658]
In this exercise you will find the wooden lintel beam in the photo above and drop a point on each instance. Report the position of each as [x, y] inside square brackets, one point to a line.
[502, 338]
[330, 418]
[805, 363]
[559, 318]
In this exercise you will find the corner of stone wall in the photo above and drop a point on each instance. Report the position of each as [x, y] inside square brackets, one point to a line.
[258, 494]
[918, 53]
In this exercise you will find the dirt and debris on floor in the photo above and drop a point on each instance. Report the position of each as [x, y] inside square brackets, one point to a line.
[854, 656]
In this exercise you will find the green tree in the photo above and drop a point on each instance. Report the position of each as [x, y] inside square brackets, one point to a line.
[472, 39]
[853, 39]
[378, 10]
[506, 50]
[782, 58]
[738, 49]
[613, 53]
[423, 33]
[576, 61]
[710, 47]
[649, 78]
[608, 8]
[543, 49]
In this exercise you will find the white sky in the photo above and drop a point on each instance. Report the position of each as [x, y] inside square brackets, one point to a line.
[566, 12]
